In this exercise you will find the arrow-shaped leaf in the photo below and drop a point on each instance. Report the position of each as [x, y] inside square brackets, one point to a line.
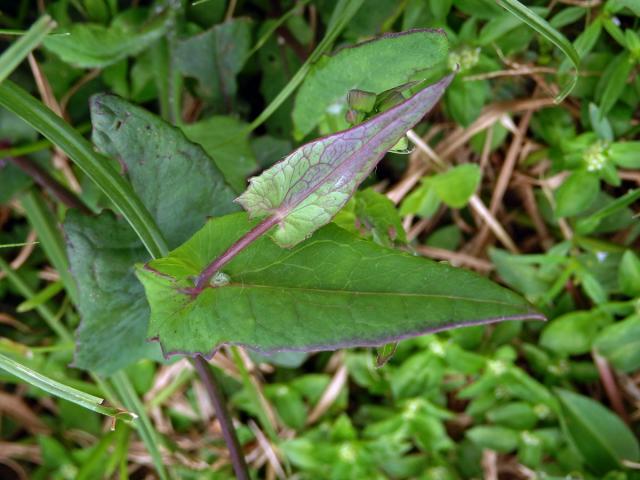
[333, 290]
[305, 190]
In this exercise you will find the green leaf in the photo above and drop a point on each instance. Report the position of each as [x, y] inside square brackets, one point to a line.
[620, 344]
[214, 58]
[89, 45]
[610, 210]
[613, 81]
[343, 12]
[573, 333]
[625, 154]
[457, 185]
[18, 51]
[334, 290]
[373, 66]
[601, 438]
[523, 277]
[225, 141]
[629, 274]
[180, 185]
[422, 201]
[465, 99]
[541, 26]
[115, 315]
[305, 190]
[576, 194]
[494, 437]
[376, 213]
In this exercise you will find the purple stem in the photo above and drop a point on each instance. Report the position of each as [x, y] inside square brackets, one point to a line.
[226, 425]
[251, 236]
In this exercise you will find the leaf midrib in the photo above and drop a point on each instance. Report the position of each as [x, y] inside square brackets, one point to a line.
[336, 291]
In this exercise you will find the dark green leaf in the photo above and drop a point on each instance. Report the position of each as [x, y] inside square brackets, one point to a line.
[377, 214]
[464, 99]
[225, 141]
[500, 439]
[613, 81]
[214, 58]
[620, 344]
[365, 66]
[179, 185]
[629, 274]
[625, 154]
[331, 291]
[91, 45]
[602, 439]
[576, 194]
[115, 314]
[573, 333]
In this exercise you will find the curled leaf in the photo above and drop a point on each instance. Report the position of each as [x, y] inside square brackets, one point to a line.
[305, 190]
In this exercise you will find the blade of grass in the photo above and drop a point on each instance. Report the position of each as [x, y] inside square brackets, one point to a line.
[43, 310]
[97, 167]
[263, 417]
[43, 222]
[62, 391]
[120, 380]
[14, 245]
[274, 26]
[148, 434]
[342, 14]
[21, 150]
[543, 27]
[18, 51]
[41, 297]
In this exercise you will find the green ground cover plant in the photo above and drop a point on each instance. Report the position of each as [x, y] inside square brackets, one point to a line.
[320, 239]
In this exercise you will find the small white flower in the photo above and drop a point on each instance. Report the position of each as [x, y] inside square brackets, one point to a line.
[465, 57]
[436, 348]
[529, 439]
[541, 410]
[411, 409]
[347, 453]
[497, 367]
[595, 156]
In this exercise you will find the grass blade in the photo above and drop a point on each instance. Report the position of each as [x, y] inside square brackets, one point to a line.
[14, 245]
[342, 14]
[95, 166]
[41, 297]
[146, 431]
[543, 27]
[18, 51]
[43, 310]
[62, 391]
[42, 220]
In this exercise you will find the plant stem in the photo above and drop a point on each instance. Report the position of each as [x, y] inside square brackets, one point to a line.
[42, 178]
[219, 403]
[251, 236]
